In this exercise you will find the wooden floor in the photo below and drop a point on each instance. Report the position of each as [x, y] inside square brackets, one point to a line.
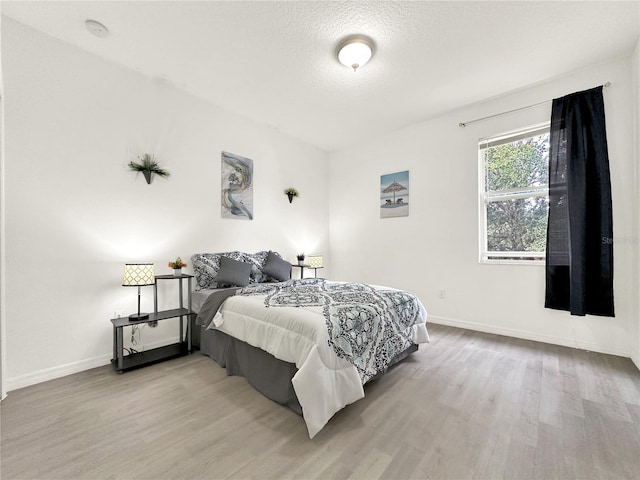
[468, 405]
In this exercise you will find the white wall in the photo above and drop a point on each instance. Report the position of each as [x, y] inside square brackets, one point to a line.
[436, 247]
[636, 89]
[75, 214]
[3, 349]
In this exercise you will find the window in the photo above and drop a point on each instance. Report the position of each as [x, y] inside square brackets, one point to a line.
[514, 195]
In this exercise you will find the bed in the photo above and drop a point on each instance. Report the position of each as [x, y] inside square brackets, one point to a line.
[310, 344]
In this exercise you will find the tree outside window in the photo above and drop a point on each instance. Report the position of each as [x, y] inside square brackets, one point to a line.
[514, 195]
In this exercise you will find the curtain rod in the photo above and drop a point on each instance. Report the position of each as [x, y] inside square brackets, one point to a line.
[464, 124]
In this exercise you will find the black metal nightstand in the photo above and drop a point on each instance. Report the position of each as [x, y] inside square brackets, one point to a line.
[183, 347]
[303, 266]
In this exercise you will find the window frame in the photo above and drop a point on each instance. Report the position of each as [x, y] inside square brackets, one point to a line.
[485, 197]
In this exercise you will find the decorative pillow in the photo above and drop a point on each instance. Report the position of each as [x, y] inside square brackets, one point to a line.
[233, 273]
[277, 268]
[257, 261]
[205, 268]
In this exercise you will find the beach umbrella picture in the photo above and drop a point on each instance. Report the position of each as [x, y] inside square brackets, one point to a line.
[389, 185]
[394, 187]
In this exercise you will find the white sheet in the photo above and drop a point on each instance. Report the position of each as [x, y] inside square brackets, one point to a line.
[324, 382]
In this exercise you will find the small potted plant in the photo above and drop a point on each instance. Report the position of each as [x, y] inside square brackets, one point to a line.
[300, 258]
[291, 192]
[177, 266]
[147, 166]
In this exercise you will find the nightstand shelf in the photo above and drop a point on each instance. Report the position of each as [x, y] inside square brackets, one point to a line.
[123, 362]
[308, 267]
[149, 357]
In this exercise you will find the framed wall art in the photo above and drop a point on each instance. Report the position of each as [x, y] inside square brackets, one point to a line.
[237, 187]
[394, 195]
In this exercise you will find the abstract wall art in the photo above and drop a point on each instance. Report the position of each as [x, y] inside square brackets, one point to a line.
[237, 187]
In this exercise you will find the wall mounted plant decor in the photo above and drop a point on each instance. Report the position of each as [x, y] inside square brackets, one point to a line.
[291, 192]
[148, 165]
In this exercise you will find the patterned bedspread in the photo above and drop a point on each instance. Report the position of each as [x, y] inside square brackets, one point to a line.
[367, 326]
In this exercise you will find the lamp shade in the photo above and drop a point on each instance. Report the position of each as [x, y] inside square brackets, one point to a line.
[315, 261]
[354, 51]
[138, 275]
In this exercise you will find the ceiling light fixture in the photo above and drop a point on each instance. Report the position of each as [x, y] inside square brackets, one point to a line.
[97, 29]
[355, 50]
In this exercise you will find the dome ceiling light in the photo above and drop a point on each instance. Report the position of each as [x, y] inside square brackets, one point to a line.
[355, 50]
[97, 29]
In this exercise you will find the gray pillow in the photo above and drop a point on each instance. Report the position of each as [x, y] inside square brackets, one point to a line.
[277, 268]
[233, 273]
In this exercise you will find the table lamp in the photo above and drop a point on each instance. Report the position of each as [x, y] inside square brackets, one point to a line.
[314, 261]
[138, 275]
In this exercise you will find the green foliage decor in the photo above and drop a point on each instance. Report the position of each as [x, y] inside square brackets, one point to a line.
[291, 192]
[147, 166]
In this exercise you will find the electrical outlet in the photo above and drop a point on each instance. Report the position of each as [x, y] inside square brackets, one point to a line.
[118, 314]
[442, 294]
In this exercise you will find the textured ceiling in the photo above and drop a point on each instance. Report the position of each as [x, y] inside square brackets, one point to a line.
[274, 62]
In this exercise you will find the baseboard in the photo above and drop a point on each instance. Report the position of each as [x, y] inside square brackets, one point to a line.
[56, 372]
[536, 337]
[68, 369]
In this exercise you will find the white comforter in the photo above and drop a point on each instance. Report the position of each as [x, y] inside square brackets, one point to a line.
[324, 382]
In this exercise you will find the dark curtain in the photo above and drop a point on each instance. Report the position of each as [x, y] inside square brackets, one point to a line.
[580, 230]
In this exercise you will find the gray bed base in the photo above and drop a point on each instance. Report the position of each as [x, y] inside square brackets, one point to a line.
[264, 372]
